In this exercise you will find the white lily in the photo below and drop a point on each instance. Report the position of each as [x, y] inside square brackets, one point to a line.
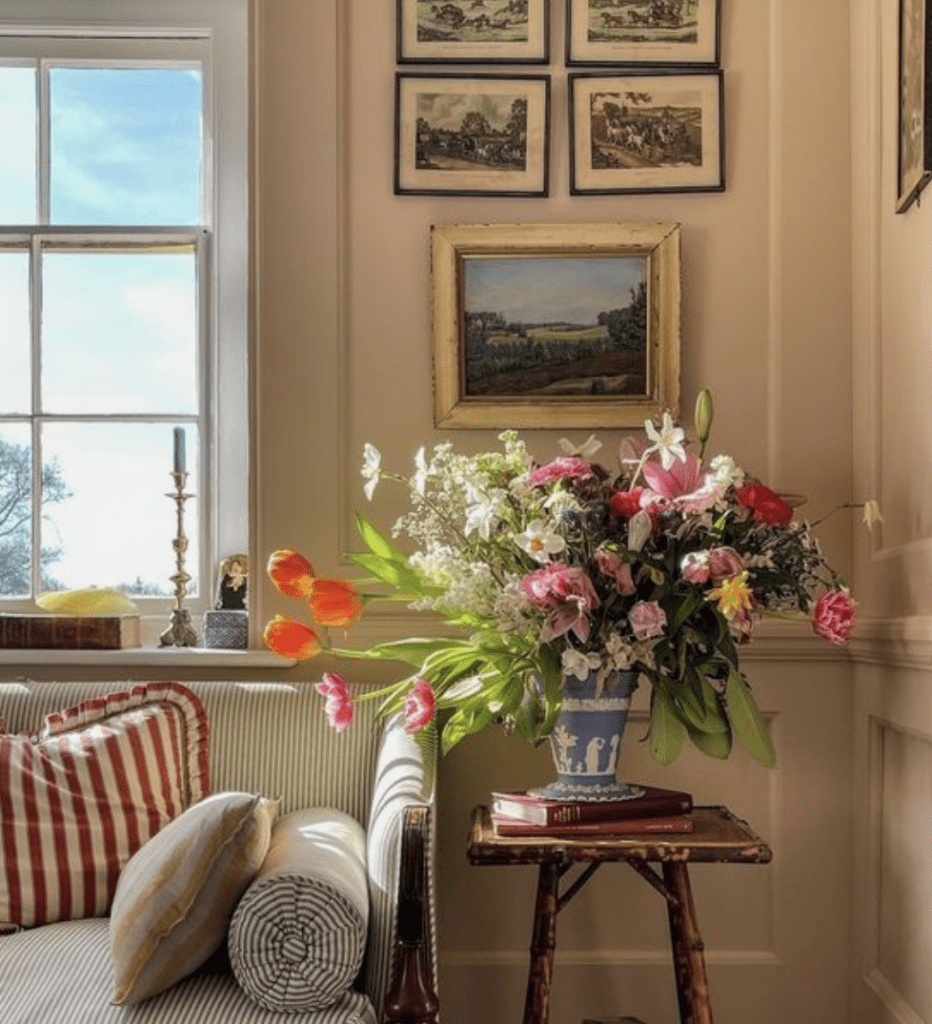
[539, 541]
[421, 472]
[485, 512]
[668, 441]
[371, 469]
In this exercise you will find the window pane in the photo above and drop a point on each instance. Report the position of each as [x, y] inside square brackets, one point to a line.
[18, 151]
[126, 145]
[119, 333]
[15, 509]
[14, 332]
[116, 527]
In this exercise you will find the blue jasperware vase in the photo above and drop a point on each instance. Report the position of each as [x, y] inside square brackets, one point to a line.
[586, 740]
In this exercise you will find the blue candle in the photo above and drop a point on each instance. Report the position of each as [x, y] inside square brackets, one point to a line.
[179, 450]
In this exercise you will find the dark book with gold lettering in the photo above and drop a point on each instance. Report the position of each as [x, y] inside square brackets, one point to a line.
[69, 632]
[654, 802]
[614, 827]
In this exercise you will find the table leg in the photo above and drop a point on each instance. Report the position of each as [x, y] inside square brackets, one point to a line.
[692, 986]
[543, 943]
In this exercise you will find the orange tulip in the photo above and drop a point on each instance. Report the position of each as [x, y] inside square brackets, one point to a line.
[291, 639]
[335, 602]
[291, 573]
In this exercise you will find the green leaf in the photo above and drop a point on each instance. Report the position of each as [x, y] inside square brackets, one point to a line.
[377, 542]
[667, 732]
[413, 651]
[552, 677]
[397, 574]
[747, 721]
[715, 744]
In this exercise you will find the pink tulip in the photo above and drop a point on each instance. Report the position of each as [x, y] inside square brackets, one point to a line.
[724, 563]
[338, 706]
[420, 706]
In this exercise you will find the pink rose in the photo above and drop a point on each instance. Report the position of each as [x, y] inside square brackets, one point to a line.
[420, 705]
[567, 467]
[833, 616]
[567, 593]
[647, 619]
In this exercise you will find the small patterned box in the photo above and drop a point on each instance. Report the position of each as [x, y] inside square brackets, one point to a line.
[227, 629]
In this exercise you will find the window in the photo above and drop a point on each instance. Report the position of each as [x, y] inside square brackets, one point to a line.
[122, 292]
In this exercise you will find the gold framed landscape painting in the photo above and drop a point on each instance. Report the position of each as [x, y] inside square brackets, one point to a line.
[914, 141]
[471, 135]
[639, 131]
[467, 32]
[555, 325]
[633, 32]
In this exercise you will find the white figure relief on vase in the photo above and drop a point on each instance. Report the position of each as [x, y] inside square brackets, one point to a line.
[564, 740]
[613, 752]
[592, 754]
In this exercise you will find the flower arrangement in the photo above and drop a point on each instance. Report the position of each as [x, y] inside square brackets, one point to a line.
[543, 571]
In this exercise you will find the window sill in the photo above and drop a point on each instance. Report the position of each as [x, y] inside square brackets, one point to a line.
[150, 656]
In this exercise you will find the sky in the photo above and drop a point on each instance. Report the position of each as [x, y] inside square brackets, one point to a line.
[533, 289]
[118, 328]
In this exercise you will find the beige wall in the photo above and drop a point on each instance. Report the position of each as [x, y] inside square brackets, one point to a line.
[892, 898]
[343, 357]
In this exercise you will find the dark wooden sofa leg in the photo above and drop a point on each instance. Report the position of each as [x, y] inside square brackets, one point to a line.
[411, 998]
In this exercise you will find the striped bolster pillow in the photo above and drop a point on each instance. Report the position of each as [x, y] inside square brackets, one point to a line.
[81, 797]
[298, 935]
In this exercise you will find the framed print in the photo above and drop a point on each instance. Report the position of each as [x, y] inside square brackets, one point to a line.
[472, 135]
[467, 32]
[914, 143]
[555, 325]
[643, 32]
[647, 132]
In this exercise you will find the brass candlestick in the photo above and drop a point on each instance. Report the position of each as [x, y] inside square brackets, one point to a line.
[180, 633]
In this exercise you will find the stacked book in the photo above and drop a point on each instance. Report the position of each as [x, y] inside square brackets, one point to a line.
[657, 810]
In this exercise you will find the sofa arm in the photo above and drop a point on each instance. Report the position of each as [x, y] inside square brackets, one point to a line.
[401, 976]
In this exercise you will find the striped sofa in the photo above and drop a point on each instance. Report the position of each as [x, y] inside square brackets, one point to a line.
[269, 738]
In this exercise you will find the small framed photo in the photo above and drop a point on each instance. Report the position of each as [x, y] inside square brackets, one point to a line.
[470, 135]
[644, 131]
[473, 31]
[636, 32]
[914, 144]
[555, 325]
[233, 583]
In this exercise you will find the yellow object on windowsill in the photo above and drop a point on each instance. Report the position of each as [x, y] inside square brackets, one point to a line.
[86, 601]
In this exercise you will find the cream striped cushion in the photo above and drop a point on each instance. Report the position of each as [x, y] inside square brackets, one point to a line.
[81, 797]
[176, 896]
[298, 935]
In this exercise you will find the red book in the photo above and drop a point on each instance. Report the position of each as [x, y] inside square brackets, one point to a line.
[505, 826]
[655, 803]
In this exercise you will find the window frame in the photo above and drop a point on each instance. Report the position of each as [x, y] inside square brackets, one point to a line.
[216, 31]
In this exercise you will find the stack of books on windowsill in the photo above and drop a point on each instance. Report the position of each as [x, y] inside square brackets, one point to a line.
[657, 811]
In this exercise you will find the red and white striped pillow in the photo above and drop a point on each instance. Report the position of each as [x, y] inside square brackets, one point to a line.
[81, 797]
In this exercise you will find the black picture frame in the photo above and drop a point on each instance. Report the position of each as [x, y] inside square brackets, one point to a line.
[669, 138]
[465, 135]
[464, 32]
[642, 33]
[914, 121]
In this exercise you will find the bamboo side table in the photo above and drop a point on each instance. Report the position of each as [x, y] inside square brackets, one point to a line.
[718, 837]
